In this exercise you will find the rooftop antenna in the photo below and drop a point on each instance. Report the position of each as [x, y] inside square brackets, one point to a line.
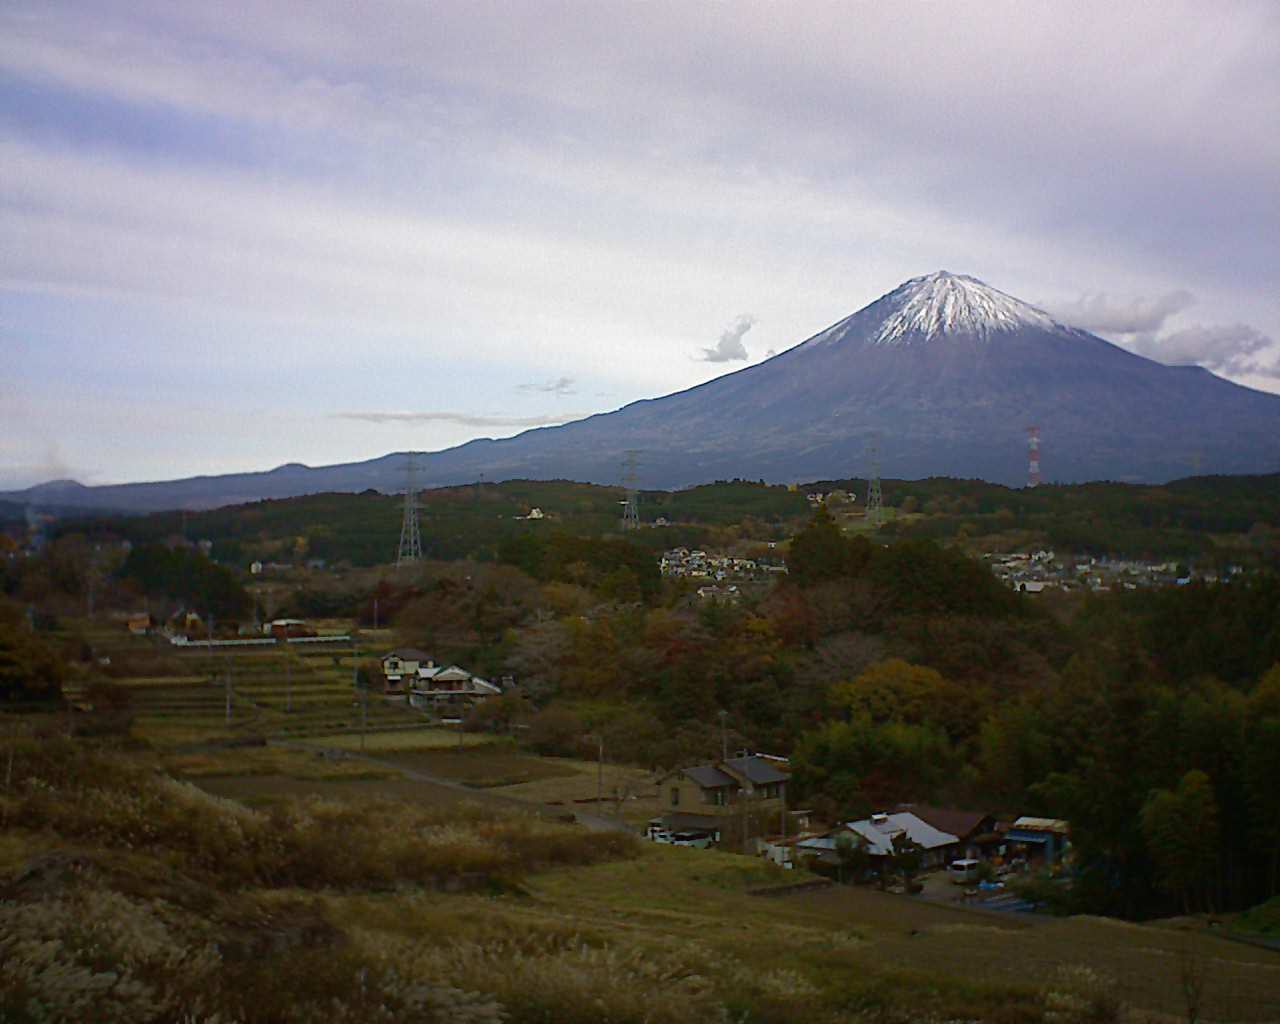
[1033, 456]
[874, 514]
[410, 538]
[631, 504]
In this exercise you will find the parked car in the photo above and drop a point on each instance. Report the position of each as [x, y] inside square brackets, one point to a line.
[700, 840]
[964, 872]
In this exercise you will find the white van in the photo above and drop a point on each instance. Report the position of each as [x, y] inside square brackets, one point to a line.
[964, 872]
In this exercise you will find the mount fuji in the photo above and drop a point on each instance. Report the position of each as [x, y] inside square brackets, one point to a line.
[946, 371]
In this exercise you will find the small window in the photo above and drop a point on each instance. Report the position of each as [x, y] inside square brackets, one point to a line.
[675, 796]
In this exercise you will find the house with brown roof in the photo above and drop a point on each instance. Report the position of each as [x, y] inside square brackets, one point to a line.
[443, 688]
[976, 832]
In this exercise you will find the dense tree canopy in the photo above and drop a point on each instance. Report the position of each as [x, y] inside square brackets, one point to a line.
[186, 576]
[30, 669]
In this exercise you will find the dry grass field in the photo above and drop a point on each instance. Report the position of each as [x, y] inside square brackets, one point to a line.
[418, 739]
[334, 877]
[265, 790]
[271, 762]
[629, 793]
[483, 766]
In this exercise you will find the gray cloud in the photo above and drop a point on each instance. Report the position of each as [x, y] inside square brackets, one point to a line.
[460, 418]
[1226, 348]
[730, 348]
[559, 386]
[1113, 315]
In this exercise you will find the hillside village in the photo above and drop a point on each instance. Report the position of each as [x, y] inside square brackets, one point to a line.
[1036, 571]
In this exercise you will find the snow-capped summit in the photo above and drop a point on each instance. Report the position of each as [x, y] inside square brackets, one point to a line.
[945, 303]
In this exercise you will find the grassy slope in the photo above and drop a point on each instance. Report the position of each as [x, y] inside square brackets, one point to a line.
[646, 933]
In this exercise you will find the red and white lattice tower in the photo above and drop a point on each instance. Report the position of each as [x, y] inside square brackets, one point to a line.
[1033, 456]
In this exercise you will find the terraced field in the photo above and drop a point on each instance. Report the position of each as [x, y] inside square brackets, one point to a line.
[275, 694]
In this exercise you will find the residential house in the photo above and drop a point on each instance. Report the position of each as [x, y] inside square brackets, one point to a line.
[1042, 841]
[702, 797]
[450, 688]
[877, 834]
[400, 667]
[977, 831]
[286, 629]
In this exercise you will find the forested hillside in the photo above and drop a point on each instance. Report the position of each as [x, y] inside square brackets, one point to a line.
[1211, 519]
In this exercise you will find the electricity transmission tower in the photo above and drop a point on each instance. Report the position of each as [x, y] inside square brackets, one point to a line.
[410, 538]
[631, 505]
[875, 503]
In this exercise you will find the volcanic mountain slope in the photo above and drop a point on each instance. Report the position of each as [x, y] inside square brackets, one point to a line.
[946, 371]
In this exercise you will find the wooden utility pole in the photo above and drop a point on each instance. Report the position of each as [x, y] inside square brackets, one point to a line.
[599, 768]
[364, 697]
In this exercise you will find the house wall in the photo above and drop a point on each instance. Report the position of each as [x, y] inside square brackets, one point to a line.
[696, 800]
[689, 796]
[397, 667]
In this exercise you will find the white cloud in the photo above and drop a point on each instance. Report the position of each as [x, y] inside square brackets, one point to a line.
[559, 386]
[388, 191]
[1122, 315]
[1235, 349]
[730, 348]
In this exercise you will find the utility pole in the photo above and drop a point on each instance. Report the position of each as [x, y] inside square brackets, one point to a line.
[784, 822]
[228, 672]
[288, 665]
[724, 737]
[364, 701]
[599, 769]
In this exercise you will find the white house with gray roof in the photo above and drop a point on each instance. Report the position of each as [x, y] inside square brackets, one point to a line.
[876, 835]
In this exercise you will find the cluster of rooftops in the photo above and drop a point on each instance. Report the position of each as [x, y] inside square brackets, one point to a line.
[409, 671]
[701, 800]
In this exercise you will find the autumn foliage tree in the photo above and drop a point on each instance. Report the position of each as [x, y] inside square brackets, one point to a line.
[1182, 832]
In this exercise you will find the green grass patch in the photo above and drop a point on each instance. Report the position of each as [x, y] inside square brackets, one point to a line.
[400, 740]
[1264, 919]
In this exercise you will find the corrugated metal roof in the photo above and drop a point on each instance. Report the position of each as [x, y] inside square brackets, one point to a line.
[879, 835]
[1043, 824]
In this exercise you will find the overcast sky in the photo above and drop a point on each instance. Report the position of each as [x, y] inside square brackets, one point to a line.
[239, 234]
